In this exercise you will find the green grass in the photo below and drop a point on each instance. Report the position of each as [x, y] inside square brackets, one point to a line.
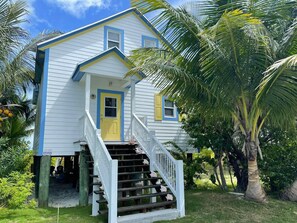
[201, 206]
[67, 215]
[213, 206]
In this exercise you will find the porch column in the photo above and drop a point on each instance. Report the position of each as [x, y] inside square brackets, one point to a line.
[132, 102]
[87, 92]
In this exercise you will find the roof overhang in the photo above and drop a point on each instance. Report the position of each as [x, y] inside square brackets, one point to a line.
[81, 67]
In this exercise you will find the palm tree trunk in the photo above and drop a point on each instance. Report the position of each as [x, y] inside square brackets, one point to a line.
[291, 193]
[221, 169]
[254, 189]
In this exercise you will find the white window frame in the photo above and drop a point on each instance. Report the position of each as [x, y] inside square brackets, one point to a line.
[174, 109]
[114, 41]
[110, 106]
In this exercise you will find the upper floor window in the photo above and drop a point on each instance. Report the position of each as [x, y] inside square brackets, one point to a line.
[169, 108]
[150, 42]
[113, 37]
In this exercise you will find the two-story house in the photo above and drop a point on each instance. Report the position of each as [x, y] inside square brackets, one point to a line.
[86, 105]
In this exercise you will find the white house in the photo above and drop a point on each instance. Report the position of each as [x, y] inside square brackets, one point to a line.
[86, 104]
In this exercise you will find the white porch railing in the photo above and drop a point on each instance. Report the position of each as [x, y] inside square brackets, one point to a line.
[103, 164]
[171, 170]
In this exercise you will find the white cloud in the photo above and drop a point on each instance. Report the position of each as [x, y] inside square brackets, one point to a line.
[32, 17]
[78, 8]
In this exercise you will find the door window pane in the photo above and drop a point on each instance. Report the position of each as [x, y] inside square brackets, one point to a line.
[111, 112]
[110, 107]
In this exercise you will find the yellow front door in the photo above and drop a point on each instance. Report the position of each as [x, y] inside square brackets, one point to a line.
[110, 116]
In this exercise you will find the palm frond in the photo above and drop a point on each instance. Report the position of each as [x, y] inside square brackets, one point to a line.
[176, 24]
[288, 44]
[278, 89]
[239, 52]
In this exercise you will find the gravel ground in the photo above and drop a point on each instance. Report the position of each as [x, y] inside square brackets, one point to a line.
[63, 195]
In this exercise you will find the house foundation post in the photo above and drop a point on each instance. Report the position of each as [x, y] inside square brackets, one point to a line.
[36, 171]
[83, 178]
[44, 177]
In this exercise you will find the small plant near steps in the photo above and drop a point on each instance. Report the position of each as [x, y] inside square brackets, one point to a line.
[139, 189]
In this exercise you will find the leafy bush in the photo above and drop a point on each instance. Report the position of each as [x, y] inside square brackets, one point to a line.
[208, 130]
[279, 164]
[15, 190]
[16, 158]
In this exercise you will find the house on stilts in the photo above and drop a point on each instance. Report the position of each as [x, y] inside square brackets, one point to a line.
[114, 125]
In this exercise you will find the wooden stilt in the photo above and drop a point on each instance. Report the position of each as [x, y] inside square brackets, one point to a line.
[44, 176]
[36, 171]
[83, 178]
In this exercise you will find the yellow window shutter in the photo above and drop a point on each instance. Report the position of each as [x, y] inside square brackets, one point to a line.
[158, 107]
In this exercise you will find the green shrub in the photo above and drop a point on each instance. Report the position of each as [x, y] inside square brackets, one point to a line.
[16, 189]
[279, 164]
[16, 158]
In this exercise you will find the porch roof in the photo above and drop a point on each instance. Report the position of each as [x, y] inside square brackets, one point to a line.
[82, 67]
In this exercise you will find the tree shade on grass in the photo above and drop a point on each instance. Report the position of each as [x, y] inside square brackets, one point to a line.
[240, 61]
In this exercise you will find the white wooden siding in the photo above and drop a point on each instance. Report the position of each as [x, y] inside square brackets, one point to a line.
[65, 98]
[102, 68]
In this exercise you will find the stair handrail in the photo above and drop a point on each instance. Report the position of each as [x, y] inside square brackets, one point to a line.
[103, 164]
[170, 169]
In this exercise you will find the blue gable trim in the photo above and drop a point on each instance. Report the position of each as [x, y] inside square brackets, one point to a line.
[64, 36]
[163, 111]
[78, 74]
[141, 16]
[143, 38]
[43, 103]
[122, 108]
[120, 31]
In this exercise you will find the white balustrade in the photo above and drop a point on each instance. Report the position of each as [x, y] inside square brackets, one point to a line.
[171, 170]
[103, 164]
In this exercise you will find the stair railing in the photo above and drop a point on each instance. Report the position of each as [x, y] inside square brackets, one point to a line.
[170, 169]
[103, 164]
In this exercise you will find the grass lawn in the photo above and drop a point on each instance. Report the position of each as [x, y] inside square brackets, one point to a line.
[201, 206]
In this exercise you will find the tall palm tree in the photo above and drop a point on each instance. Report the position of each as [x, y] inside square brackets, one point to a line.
[238, 60]
[15, 67]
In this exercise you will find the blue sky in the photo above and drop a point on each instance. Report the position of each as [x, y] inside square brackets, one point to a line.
[66, 15]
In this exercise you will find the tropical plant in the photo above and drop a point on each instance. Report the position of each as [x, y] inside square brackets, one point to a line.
[209, 131]
[15, 190]
[279, 166]
[240, 61]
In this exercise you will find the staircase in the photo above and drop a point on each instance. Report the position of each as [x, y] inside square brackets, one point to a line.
[139, 189]
[140, 182]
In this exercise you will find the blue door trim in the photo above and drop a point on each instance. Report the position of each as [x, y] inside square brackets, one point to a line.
[99, 91]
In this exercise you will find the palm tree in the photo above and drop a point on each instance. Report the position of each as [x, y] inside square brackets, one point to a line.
[238, 60]
[15, 67]
[16, 71]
